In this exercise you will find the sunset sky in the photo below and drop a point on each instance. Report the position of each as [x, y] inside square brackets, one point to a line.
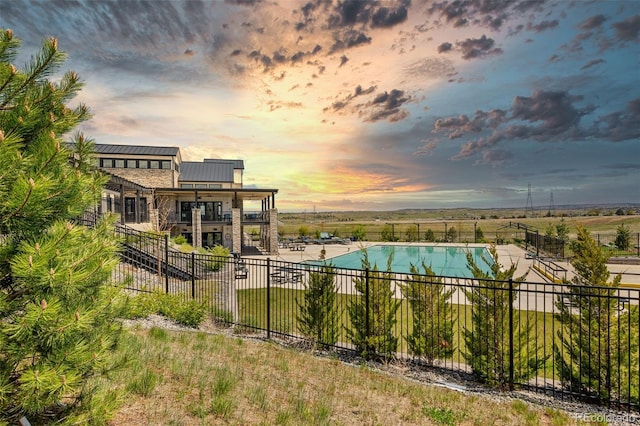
[353, 105]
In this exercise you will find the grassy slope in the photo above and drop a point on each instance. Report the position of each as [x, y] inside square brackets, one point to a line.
[197, 378]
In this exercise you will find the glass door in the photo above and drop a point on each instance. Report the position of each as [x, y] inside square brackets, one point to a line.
[129, 210]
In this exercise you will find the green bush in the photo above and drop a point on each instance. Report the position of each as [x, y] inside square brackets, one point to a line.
[594, 322]
[387, 233]
[186, 312]
[373, 313]
[411, 233]
[219, 256]
[359, 233]
[623, 238]
[190, 313]
[318, 311]
[141, 306]
[429, 235]
[432, 334]
[486, 352]
[179, 240]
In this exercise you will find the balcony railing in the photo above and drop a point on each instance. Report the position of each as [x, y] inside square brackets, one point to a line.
[226, 217]
[255, 217]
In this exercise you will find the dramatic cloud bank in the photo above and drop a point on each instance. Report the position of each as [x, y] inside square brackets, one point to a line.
[350, 104]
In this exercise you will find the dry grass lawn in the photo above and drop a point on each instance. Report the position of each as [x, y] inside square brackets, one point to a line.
[188, 378]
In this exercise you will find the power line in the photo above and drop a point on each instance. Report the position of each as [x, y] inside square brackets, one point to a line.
[528, 208]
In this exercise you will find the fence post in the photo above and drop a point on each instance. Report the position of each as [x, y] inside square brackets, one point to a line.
[366, 302]
[193, 275]
[268, 298]
[510, 333]
[166, 263]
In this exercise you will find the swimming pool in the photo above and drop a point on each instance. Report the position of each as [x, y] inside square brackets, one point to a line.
[449, 261]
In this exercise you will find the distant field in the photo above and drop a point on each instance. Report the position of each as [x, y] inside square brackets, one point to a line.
[491, 221]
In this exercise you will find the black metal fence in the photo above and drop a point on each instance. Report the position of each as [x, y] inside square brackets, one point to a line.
[451, 236]
[608, 242]
[544, 244]
[576, 341]
[532, 241]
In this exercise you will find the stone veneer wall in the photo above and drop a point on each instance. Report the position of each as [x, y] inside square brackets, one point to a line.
[149, 178]
[196, 227]
[236, 220]
[273, 231]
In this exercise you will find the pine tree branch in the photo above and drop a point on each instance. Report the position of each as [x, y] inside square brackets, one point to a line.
[14, 71]
[24, 202]
[68, 229]
[41, 67]
[18, 124]
[52, 156]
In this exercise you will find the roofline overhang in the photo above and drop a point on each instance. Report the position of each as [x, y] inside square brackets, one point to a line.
[264, 190]
[242, 193]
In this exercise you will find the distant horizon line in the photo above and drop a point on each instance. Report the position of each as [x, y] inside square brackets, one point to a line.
[535, 208]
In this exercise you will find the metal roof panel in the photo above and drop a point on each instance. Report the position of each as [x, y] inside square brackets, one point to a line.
[237, 164]
[193, 171]
[170, 151]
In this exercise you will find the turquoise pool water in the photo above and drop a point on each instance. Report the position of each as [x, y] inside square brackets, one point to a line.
[444, 260]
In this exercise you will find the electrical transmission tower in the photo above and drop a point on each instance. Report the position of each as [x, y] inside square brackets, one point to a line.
[552, 207]
[528, 208]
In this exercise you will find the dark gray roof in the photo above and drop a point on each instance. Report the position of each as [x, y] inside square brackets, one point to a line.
[136, 150]
[209, 170]
[237, 164]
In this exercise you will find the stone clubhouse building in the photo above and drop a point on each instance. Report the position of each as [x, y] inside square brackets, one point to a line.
[152, 187]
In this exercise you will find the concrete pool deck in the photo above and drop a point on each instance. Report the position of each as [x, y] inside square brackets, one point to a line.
[507, 254]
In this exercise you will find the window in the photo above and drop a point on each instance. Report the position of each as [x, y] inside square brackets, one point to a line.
[185, 211]
[210, 211]
[110, 163]
[186, 185]
[210, 239]
[215, 185]
[201, 185]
